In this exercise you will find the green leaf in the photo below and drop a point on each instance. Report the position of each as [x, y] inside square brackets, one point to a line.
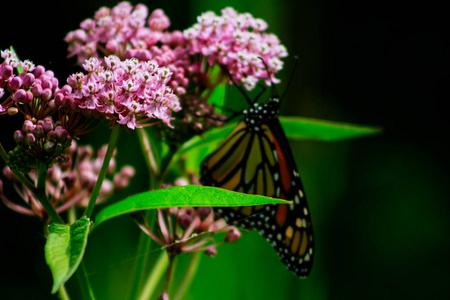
[217, 97]
[65, 248]
[181, 196]
[300, 128]
[297, 128]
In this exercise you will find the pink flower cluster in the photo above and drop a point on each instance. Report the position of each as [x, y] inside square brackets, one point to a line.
[128, 91]
[32, 91]
[176, 60]
[113, 31]
[70, 183]
[236, 41]
[32, 82]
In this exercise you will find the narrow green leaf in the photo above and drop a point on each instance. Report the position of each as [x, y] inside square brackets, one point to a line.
[300, 128]
[64, 249]
[297, 128]
[179, 196]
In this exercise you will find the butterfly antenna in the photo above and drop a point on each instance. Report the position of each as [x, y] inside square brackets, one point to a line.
[250, 102]
[290, 78]
[274, 89]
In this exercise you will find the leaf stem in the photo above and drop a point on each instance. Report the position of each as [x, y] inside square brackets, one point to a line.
[109, 153]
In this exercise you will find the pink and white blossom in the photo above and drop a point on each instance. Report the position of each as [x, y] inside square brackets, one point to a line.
[129, 91]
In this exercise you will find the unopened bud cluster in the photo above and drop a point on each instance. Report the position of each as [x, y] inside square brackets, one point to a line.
[69, 183]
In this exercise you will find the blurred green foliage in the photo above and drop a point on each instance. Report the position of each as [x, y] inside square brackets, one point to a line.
[379, 204]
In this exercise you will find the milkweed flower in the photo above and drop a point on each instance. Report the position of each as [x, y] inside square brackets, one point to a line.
[188, 229]
[176, 60]
[69, 182]
[236, 41]
[129, 92]
[115, 30]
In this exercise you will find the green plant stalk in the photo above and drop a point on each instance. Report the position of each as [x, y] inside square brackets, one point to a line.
[41, 194]
[154, 277]
[148, 152]
[62, 293]
[189, 275]
[144, 240]
[83, 281]
[109, 153]
[169, 272]
[141, 261]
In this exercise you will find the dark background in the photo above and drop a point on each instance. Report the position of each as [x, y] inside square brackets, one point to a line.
[379, 204]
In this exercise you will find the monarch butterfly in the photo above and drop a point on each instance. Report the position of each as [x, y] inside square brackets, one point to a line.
[256, 159]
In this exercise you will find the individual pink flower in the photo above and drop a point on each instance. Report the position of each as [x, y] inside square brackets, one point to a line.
[132, 92]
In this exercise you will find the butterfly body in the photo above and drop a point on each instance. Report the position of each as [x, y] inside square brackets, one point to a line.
[256, 159]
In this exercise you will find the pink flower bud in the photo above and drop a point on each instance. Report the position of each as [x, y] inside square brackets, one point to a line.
[15, 83]
[55, 83]
[6, 72]
[203, 212]
[184, 220]
[127, 171]
[129, 53]
[37, 90]
[39, 71]
[51, 136]
[30, 139]
[46, 94]
[47, 84]
[18, 137]
[38, 131]
[28, 80]
[211, 251]
[61, 134]
[232, 235]
[29, 97]
[48, 124]
[112, 46]
[27, 126]
[20, 96]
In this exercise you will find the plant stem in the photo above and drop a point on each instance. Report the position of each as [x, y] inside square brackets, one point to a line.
[148, 152]
[169, 272]
[41, 194]
[154, 277]
[62, 293]
[83, 281]
[188, 275]
[101, 176]
[141, 261]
